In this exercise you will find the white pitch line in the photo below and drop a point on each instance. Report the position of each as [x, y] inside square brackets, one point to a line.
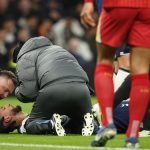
[62, 146]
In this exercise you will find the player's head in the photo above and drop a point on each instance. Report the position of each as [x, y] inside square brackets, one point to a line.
[8, 118]
[8, 82]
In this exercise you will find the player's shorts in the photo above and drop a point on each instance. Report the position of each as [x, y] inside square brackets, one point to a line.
[115, 24]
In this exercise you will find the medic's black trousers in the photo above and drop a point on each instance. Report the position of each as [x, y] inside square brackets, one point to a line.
[71, 99]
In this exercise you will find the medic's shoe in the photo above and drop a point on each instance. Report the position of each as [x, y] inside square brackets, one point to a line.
[57, 125]
[132, 142]
[103, 135]
[88, 128]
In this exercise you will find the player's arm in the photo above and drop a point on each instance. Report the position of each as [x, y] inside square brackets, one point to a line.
[87, 13]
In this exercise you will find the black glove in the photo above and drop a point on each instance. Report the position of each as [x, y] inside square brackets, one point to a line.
[8, 128]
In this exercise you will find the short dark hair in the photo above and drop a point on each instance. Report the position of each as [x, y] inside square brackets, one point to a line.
[16, 110]
[9, 75]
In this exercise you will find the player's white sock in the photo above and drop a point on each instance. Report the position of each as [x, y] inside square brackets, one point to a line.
[119, 79]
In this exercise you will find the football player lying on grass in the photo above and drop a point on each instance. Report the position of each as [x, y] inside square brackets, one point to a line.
[12, 117]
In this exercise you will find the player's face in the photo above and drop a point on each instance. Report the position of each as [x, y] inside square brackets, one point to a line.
[6, 87]
[6, 110]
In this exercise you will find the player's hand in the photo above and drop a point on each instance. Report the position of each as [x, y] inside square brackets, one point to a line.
[86, 15]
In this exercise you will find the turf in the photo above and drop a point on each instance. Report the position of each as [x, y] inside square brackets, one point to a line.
[54, 142]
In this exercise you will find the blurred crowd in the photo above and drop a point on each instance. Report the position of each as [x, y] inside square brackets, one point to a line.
[59, 20]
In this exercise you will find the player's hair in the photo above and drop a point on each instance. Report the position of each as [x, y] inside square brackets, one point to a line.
[9, 75]
[16, 110]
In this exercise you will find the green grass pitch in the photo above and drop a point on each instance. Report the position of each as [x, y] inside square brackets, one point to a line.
[15, 141]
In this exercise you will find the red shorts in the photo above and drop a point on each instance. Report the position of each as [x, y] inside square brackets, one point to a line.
[115, 24]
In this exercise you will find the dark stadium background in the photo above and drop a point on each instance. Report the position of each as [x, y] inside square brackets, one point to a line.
[56, 19]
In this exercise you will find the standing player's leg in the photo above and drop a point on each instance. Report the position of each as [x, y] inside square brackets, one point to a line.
[139, 96]
[105, 93]
[104, 72]
[139, 38]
